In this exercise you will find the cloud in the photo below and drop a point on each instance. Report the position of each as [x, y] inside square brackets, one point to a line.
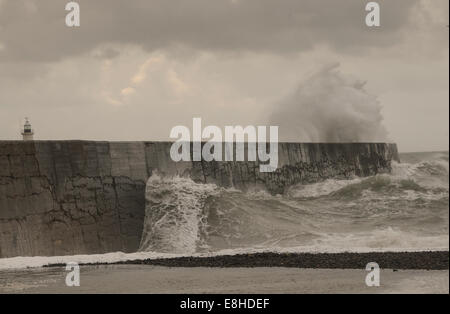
[178, 85]
[158, 66]
[228, 62]
[127, 91]
[141, 74]
[137, 79]
[282, 26]
[106, 53]
[110, 100]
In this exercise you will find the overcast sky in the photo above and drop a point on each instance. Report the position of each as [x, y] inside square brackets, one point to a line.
[135, 69]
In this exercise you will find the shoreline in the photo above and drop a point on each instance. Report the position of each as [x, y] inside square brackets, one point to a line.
[146, 279]
[431, 260]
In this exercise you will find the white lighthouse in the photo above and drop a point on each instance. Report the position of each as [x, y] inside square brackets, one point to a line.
[27, 132]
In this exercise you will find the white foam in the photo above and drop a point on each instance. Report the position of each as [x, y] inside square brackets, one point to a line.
[21, 262]
[321, 188]
[173, 222]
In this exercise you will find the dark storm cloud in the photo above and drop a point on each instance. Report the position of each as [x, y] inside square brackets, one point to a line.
[34, 30]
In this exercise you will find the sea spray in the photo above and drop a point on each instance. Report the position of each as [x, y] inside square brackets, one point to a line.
[330, 107]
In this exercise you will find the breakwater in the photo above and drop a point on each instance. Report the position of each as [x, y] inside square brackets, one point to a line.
[83, 197]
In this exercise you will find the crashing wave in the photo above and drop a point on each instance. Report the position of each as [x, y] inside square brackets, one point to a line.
[405, 209]
[173, 214]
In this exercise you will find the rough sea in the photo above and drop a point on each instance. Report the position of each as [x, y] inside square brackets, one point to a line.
[407, 210]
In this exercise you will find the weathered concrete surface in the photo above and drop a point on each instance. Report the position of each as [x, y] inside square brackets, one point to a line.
[77, 197]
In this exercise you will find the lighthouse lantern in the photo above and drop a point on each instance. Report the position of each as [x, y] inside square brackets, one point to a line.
[27, 132]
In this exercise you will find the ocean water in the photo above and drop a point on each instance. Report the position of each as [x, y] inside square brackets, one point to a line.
[407, 210]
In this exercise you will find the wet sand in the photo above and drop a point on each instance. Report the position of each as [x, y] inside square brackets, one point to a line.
[158, 279]
[401, 272]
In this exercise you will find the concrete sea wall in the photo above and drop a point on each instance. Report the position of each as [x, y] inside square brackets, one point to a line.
[84, 197]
